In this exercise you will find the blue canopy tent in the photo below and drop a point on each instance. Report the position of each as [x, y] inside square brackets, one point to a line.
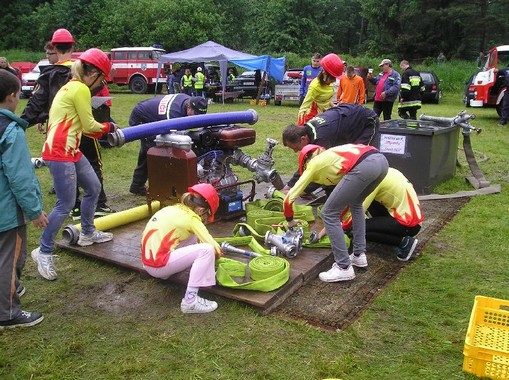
[206, 52]
[274, 67]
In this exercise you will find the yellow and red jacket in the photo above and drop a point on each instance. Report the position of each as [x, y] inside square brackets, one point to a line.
[70, 116]
[327, 168]
[167, 229]
[398, 196]
[317, 100]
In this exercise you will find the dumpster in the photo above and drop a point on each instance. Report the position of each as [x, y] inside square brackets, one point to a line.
[423, 151]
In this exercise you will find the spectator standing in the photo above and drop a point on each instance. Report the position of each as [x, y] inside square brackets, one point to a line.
[505, 106]
[186, 83]
[480, 60]
[321, 90]
[155, 109]
[51, 53]
[21, 200]
[355, 171]
[309, 73]
[170, 82]
[231, 76]
[5, 65]
[70, 116]
[411, 89]
[176, 239]
[351, 88]
[199, 83]
[441, 58]
[387, 89]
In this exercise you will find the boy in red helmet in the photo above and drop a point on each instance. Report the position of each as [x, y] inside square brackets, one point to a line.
[176, 239]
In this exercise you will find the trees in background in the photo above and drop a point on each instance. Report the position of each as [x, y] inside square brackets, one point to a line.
[416, 28]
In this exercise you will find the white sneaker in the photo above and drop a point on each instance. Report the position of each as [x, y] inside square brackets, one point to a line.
[44, 264]
[95, 237]
[336, 274]
[200, 305]
[360, 261]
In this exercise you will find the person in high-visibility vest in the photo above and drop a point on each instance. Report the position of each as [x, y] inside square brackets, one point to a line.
[186, 83]
[199, 83]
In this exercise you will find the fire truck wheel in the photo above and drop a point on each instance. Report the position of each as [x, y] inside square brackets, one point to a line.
[138, 85]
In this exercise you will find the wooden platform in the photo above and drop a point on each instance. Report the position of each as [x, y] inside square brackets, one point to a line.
[124, 250]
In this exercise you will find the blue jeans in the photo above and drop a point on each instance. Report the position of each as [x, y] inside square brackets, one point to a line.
[351, 191]
[65, 177]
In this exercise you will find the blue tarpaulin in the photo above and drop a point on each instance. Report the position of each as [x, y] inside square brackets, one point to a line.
[275, 67]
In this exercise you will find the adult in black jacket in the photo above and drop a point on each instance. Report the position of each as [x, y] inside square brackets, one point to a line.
[410, 94]
[343, 124]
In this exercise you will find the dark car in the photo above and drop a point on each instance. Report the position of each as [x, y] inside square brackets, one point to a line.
[248, 82]
[432, 91]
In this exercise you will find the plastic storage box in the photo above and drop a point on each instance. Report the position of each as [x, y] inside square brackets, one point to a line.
[486, 351]
[423, 151]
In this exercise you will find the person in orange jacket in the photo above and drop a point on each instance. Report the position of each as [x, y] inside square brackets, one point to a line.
[351, 88]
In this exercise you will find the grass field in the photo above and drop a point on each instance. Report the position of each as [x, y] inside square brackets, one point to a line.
[102, 322]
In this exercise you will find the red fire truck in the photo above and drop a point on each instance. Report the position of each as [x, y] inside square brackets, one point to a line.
[137, 67]
[487, 86]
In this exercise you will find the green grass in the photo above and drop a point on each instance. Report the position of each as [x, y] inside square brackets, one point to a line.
[104, 322]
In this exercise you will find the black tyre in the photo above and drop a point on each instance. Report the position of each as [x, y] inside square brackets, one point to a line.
[138, 85]
[277, 102]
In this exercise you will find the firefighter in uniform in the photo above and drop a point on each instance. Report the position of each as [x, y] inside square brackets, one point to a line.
[199, 83]
[410, 95]
[155, 109]
[186, 83]
[346, 123]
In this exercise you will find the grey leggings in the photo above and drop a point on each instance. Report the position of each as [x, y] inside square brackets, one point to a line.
[351, 191]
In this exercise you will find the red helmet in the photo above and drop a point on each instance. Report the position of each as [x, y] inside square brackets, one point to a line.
[207, 191]
[62, 36]
[99, 59]
[310, 148]
[333, 65]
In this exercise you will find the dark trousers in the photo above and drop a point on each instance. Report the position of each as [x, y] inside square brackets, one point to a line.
[13, 253]
[383, 107]
[383, 228]
[505, 107]
[408, 112]
[140, 174]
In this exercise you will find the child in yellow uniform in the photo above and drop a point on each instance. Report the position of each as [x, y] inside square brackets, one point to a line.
[176, 239]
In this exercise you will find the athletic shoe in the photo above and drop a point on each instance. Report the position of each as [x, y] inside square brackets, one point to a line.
[138, 190]
[25, 319]
[95, 237]
[21, 290]
[407, 248]
[75, 213]
[103, 210]
[336, 274]
[200, 305]
[44, 264]
[360, 261]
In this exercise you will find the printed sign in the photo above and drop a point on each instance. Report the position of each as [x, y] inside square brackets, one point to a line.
[394, 144]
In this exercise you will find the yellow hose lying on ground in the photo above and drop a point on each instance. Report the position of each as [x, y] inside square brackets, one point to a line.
[71, 232]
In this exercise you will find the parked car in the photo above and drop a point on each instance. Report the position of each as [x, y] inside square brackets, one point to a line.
[28, 79]
[432, 91]
[248, 83]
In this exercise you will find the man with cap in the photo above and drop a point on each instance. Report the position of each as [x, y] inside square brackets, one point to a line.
[388, 84]
[156, 109]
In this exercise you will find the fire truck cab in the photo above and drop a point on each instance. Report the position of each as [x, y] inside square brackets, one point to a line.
[487, 86]
[137, 68]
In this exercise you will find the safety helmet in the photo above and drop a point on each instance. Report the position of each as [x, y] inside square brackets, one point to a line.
[62, 36]
[308, 149]
[333, 65]
[99, 59]
[207, 191]
[199, 69]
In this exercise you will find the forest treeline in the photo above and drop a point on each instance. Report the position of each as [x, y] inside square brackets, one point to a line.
[415, 29]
